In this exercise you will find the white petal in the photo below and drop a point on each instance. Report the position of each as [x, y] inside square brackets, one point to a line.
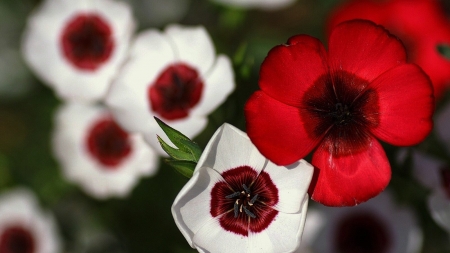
[73, 122]
[191, 208]
[283, 234]
[128, 97]
[292, 182]
[219, 83]
[41, 47]
[230, 148]
[213, 238]
[193, 46]
[439, 205]
[19, 206]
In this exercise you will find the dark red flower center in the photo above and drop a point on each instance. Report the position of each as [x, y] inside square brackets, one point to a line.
[108, 143]
[176, 90]
[244, 200]
[362, 233]
[15, 239]
[445, 180]
[341, 108]
[87, 41]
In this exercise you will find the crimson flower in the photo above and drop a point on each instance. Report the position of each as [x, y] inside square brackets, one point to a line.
[422, 25]
[338, 104]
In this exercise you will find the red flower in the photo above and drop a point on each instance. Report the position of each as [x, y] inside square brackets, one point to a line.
[337, 103]
[421, 24]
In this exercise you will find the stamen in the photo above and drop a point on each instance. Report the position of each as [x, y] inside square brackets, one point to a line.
[252, 215]
[236, 208]
[246, 188]
[252, 201]
[233, 195]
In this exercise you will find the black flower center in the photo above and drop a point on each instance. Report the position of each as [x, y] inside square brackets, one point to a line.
[244, 200]
[16, 239]
[362, 233]
[108, 143]
[87, 41]
[176, 90]
[341, 109]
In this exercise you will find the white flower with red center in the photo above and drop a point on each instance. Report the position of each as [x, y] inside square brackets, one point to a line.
[97, 154]
[24, 228]
[76, 47]
[238, 201]
[173, 75]
[261, 4]
[376, 226]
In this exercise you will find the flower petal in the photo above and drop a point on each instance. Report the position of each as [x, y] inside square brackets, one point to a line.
[406, 105]
[230, 148]
[283, 234]
[352, 179]
[219, 83]
[439, 205]
[289, 70]
[364, 49]
[127, 96]
[292, 182]
[277, 129]
[191, 208]
[192, 45]
[211, 238]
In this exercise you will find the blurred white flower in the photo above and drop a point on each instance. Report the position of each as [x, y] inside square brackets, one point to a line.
[24, 227]
[76, 47]
[261, 4]
[97, 154]
[376, 226]
[238, 201]
[173, 75]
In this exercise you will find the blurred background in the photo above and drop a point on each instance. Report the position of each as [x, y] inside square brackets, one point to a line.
[142, 221]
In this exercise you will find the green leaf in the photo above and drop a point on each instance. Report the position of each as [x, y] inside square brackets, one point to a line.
[444, 50]
[193, 149]
[174, 135]
[177, 154]
[186, 168]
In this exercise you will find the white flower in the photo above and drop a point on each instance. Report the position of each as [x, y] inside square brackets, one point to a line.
[24, 227]
[97, 154]
[172, 75]
[238, 201]
[261, 4]
[76, 46]
[376, 226]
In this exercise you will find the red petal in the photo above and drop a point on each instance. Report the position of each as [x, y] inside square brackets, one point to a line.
[364, 49]
[277, 129]
[352, 179]
[289, 70]
[406, 105]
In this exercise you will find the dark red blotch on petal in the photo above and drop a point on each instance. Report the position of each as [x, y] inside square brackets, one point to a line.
[16, 239]
[176, 90]
[362, 232]
[108, 143]
[87, 41]
[261, 184]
